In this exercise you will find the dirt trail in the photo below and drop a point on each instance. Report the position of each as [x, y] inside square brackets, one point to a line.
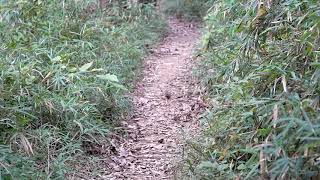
[167, 104]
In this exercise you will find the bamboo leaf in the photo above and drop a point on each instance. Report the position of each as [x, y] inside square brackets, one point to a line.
[85, 67]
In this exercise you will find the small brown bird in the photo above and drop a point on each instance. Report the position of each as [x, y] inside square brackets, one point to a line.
[167, 94]
[161, 141]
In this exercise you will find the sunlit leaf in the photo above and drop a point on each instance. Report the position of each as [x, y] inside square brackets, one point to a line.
[109, 77]
[85, 67]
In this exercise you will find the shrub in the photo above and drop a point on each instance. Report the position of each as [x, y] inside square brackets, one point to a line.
[65, 66]
[261, 69]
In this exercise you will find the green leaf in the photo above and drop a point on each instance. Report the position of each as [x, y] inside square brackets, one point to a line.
[264, 132]
[206, 164]
[109, 77]
[223, 167]
[30, 80]
[119, 86]
[96, 70]
[241, 167]
[56, 59]
[85, 67]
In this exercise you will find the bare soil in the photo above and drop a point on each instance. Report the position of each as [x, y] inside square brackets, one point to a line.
[167, 103]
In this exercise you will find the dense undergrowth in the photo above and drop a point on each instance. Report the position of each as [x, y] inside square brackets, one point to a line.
[65, 67]
[261, 67]
[187, 9]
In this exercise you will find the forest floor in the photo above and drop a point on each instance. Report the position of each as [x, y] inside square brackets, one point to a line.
[167, 103]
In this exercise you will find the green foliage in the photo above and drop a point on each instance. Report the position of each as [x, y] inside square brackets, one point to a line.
[189, 9]
[65, 66]
[262, 75]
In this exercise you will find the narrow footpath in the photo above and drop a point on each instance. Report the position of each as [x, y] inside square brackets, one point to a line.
[166, 107]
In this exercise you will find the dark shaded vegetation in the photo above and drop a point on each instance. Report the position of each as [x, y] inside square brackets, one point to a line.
[187, 9]
[65, 69]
